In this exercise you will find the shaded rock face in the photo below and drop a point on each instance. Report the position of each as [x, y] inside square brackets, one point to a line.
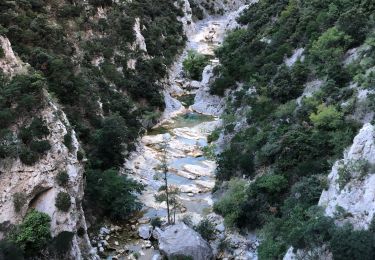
[357, 197]
[204, 102]
[10, 64]
[181, 240]
[38, 182]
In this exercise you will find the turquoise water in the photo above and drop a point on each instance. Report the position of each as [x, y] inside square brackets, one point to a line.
[189, 119]
[178, 163]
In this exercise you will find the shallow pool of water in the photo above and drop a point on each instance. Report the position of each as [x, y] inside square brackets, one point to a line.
[178, 180]
[180, 162]
[189, 119]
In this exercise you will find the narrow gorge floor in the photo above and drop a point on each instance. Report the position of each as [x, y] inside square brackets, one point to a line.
[185, 128]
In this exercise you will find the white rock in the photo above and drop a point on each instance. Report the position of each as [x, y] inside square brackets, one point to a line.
[182, 240]
[104, 231]
[144, 231]
[297, 55]
[357, 197]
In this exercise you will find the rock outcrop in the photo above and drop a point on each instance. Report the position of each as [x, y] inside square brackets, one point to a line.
[357, 196]
[181, 240]
[10, 64]
[204, 102]
[37, 183]
[220, 6]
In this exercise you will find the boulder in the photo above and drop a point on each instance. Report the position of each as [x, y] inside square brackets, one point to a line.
[144, 231]
[181, 240]
[156, 233]
[104, 231]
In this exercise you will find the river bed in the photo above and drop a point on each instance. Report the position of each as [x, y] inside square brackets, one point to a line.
[185, 130]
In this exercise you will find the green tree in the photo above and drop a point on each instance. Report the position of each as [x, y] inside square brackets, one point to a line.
[114, 194]
[194, 64]
[110, 142]
[328, 50]
[327, 117]
[9, 250]
[33, 234]
[230, 204]
[167, 193]
[350, 244]
[63, 201]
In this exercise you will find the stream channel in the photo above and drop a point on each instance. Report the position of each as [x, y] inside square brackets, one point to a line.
[186, 132]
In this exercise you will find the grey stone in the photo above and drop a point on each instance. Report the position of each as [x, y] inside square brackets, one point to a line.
[144, 231]
[182, 240]
[104, 231]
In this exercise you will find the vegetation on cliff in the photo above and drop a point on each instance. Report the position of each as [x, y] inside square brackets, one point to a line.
[292, 134]
[87, 56]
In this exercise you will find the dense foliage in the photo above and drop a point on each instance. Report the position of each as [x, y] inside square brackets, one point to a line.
[62, 178]
[63, 201]
[115, 194]
[20, 98]
[108, 87]
[194, 64]
[33, 234]
[299, 117]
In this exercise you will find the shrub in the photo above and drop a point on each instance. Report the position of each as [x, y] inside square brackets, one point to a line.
[272, 183]
[33, 234]
[40, 147]
[39, 128]
[311, 233]
[196, 10]
[327, 51]
[62, 243]
[350, 244]
[81, 232]
[352, 169]
[63, 201]
[156, 222]
[224, 245]
[283, 88]
[188, 220]
[206, 229]
[214, 136]
[221, 84]
[115, 194]
[62, 178]
[194, 64]
[68, 140]
[9, 250]
[28, 157]
[230, 204]
[80, 155]
[327, 117]
[306, 192]
[19, 200]
[2, 53]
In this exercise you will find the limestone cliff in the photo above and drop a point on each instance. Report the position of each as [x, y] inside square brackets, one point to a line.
[351, 182]
[350, 197]
[37, 183]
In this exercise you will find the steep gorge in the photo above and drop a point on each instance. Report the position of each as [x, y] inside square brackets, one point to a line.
[91, 90]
